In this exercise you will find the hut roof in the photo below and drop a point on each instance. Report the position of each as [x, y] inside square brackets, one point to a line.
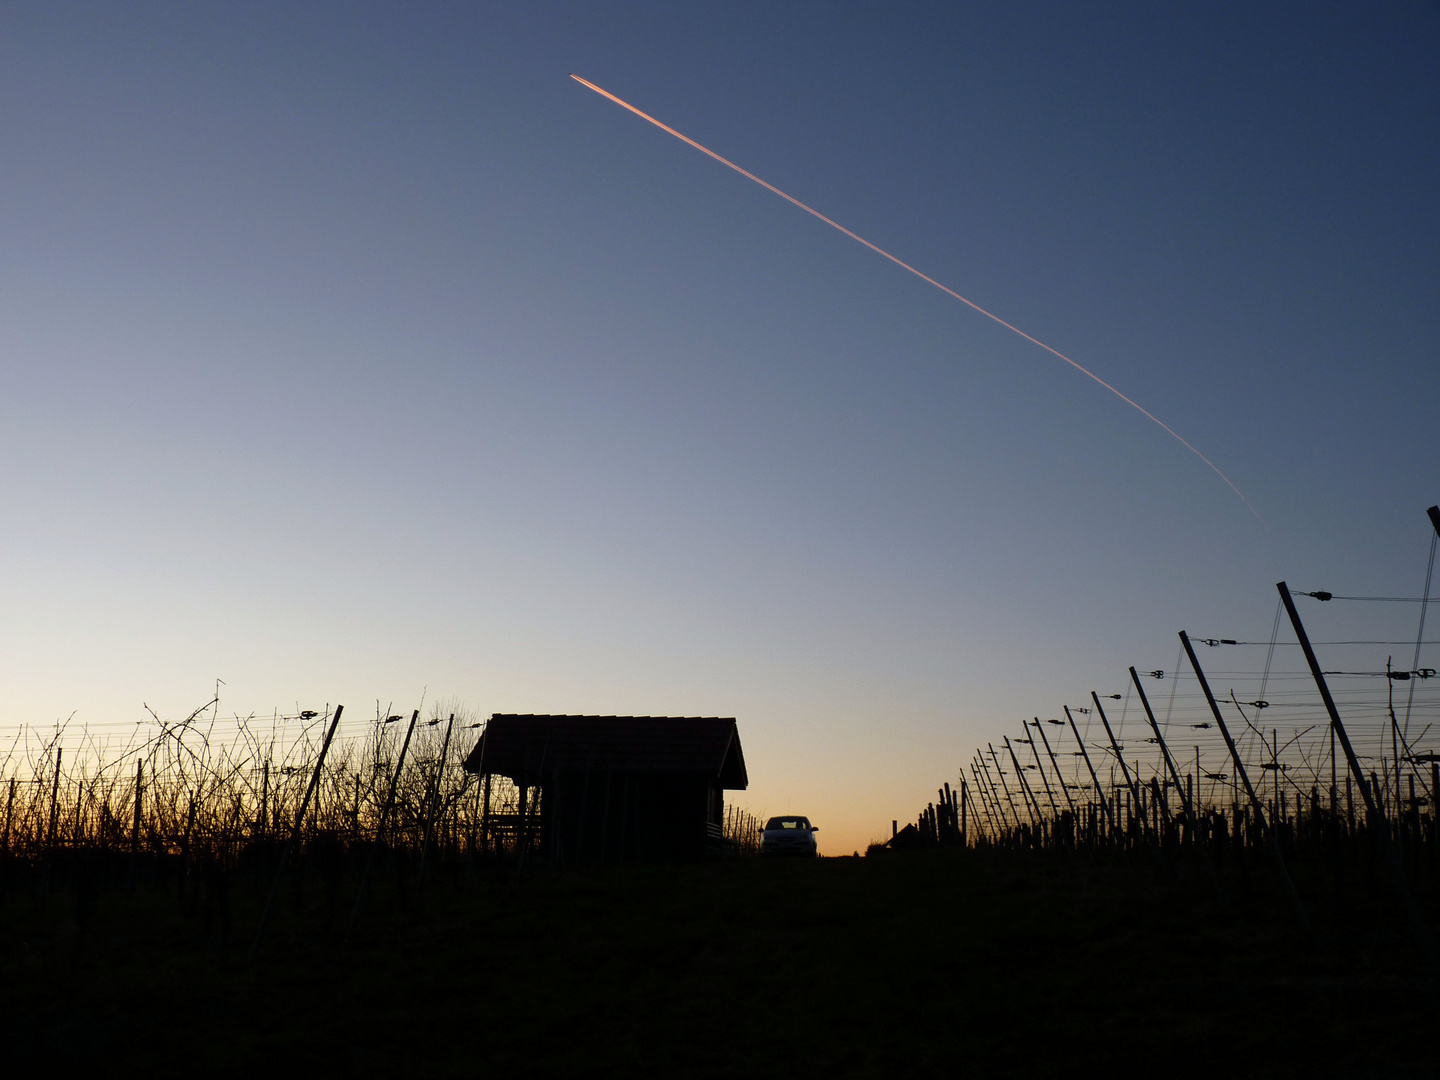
[517, 745]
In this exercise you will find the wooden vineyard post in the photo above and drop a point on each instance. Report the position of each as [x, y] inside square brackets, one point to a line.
[1265, 826]
[1190, 817]
[295, 831]
[185, 844]
[997, 809]
[9, 814]
[135, 828]
[265, 803]
[1349, 804]
[985, 803]
[1059, 776]
[1002, 785]
[1334, 788]
[1032, 805]
[380, 825]
[1376, 818]
[54, 800]
[964, 813]
[1124, 769]
[1049, 794]
[76, 836]
[995, 813]
[434, 803]
[1094, 780]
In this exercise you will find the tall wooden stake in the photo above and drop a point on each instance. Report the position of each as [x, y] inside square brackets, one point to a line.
[964, 813]
[1190, 814]
[986, 800]
[1095, 780]
[1059, 776]
[9, 813]
[54, 800]
[295, 832]
[1377, 819]
[1124, 769]
[380, 825]
[995, 792]
[1036, 813]
[1265, 826]
[1003, 786]
[1049, 794]
[135, 828]
[434, 803]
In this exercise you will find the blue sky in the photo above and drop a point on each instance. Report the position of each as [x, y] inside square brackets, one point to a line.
[355, 350]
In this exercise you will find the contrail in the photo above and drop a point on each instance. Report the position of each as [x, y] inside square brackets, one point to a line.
[924, 277]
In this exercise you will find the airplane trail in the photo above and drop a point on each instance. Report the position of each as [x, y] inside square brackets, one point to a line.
[924, 277]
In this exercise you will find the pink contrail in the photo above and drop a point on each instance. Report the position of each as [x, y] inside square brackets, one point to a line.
[924, 277]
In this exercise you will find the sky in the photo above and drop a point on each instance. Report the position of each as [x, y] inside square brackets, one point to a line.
[353, 352]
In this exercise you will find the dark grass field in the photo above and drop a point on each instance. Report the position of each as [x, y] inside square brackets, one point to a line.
[933, 962]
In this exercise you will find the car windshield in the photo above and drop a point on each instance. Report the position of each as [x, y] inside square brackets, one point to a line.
[787, 823]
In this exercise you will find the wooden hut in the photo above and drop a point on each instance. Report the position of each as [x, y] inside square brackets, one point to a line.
[608, 788]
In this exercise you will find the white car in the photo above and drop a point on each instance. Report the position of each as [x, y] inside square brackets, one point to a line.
[788, 835]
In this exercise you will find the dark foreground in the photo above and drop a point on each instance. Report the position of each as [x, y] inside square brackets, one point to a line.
[994, 963]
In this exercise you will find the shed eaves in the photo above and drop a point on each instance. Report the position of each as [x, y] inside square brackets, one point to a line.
[522, 745]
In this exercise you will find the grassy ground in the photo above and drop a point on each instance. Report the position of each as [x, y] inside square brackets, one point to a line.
[988, 963]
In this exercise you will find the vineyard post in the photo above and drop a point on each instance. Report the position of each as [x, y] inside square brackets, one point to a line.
[9, 812]
[964, 815]
[1190, 816]
[1000, 772]
[54, 801]
[1095, 781]
[1049, 793]
[1265, 827]
[979, 786]
[185, 847]
[355, 819]
[985, 800]
[1060, 776]
[1032, 801]
[380, 826]
[995, 792]
[1124, 769]
[434, 803]
[135, 828]
[1334, 787]
[76, 835]
[1377, 820]
[295, 832]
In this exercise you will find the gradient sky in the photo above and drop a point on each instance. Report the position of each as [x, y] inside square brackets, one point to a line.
[352, 351]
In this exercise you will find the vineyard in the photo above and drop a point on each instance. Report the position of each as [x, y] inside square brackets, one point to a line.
[210, 803]
[1321, 777]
